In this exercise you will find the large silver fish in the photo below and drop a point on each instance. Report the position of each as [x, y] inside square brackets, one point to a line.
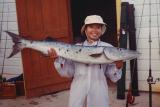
[83, 54]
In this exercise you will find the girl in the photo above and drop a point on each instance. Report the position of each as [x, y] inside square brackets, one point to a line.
[89, 86]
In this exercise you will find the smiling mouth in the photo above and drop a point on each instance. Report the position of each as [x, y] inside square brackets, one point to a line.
[95, 35]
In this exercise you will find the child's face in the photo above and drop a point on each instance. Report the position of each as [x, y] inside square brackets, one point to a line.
[93, 32]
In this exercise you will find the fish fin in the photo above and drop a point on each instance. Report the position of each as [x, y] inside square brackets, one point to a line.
[96, 55]
[15, 50]
[108, 55]
[17, 43]
[15, 37]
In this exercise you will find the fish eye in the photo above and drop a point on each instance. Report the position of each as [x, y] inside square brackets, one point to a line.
[119, 49]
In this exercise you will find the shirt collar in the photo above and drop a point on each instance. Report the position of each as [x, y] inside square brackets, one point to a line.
[93, 44]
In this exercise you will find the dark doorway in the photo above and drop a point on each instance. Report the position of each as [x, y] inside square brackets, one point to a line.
[105, 8]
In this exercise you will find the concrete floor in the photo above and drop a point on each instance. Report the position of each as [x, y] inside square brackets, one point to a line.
[61, 100]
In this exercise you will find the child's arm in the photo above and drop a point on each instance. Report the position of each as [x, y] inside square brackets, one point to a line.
[63, 66]
[113, 72]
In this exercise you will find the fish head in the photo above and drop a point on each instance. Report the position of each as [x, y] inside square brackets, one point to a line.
[115, 54]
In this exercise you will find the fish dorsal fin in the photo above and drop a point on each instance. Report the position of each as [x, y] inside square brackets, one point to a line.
[50, 39]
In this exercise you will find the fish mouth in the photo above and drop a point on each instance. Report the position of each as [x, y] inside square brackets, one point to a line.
[96, 55]
[120, 54]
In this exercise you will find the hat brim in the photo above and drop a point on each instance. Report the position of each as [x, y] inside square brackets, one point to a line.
[103, 28]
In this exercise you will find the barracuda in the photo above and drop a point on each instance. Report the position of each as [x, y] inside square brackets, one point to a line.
[78, 53]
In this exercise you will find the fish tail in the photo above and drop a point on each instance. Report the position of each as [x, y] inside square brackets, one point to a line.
[17, 47]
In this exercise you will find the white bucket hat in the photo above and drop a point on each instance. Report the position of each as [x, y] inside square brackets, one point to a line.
[93, 19]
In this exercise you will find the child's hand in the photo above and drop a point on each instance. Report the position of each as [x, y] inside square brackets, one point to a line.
[52, 53]
[119, 64]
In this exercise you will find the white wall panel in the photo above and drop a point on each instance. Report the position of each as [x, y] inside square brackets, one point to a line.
[143, 75]
[12, 7]
[141, 2]
[8, 16]
[8, 52]
[4, 34]
[144, 22]
[155, 54]
[12, 26]
[143, 86]
[10, 61]
[6, 1]
[12, 69]
[143, 65]
[143, 43]
[9, 43]
[142, 34]
[13, 66]
[6, 7]
[9, 25]
[145, 9]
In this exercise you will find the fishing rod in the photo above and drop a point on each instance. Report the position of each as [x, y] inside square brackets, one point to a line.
[150, 77]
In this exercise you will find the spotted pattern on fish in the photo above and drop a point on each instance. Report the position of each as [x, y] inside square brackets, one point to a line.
[78, 53]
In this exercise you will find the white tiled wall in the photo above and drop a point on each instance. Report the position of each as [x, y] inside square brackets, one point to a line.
[8, 21]
[142, 16]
